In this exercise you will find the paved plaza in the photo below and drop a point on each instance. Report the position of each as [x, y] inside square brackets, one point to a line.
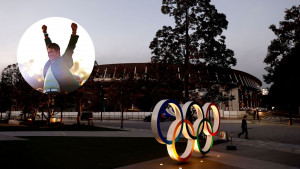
[270, 145]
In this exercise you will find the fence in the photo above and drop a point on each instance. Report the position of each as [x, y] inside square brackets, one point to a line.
[232, 114]
[114, 115]
[96, 115]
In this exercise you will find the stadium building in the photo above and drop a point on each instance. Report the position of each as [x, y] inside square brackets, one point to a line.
[243, 87]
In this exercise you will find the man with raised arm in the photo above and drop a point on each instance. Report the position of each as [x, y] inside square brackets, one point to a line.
[57, 75]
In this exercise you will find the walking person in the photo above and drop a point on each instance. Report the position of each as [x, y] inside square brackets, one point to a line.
[244, 127]
[257, 115]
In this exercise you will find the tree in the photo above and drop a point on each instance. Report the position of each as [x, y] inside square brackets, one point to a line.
[196, 38]
[282, 62]
[16, 93]
[287, 37]
[88, 97]
[122, 94]
[8, 85]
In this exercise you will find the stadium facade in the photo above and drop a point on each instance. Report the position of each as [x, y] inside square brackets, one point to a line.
[244, 87]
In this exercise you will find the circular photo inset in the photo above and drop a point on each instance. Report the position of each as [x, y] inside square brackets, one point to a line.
[56, 55]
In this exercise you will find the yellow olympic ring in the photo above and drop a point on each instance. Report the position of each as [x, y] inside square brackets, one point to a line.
[183, 126]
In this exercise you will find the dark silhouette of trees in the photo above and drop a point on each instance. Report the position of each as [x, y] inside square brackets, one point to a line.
[283, 62]
[9, 78]
[88, 96]
[16, 94]
[196, 38]
[121, 94]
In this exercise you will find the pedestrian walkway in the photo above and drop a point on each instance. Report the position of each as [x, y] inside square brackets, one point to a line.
[242, 158]
[232, 121]
[270, 146]
[4, 137]
[125, 133]
[289, 148]
[212, 161]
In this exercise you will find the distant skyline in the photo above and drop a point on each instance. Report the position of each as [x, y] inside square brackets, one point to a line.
[122, 30]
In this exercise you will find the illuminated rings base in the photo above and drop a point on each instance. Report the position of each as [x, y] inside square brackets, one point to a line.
[183, 126]
[209, 138]
[190, 143]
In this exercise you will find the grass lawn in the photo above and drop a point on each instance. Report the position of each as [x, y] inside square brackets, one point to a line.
[79, 152]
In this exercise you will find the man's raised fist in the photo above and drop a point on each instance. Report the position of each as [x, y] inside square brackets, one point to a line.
[44, 27]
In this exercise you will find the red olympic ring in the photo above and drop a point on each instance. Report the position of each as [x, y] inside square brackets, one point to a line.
[201, 125]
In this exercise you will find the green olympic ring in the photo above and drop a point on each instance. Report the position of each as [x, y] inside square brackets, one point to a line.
[202, 125]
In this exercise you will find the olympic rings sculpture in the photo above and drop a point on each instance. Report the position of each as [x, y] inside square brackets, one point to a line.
[183, 126]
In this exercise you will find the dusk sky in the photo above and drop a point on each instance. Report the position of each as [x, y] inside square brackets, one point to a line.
[122, 30]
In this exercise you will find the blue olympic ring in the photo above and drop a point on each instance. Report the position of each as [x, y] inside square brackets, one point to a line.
[201, 125]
